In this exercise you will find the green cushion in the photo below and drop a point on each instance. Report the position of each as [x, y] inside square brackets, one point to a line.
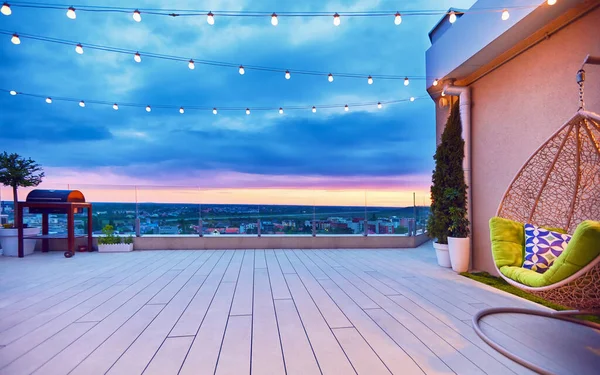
[582, 249]
[508, 242]
[524, 276]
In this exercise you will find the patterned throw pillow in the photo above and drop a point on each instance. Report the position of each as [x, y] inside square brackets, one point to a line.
[542, 247]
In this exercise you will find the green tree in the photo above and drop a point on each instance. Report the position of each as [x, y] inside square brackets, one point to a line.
[448, 189]
[17, 171]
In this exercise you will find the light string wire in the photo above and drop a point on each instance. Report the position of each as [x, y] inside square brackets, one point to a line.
[249, 13]
[208, 62]
[211, 108]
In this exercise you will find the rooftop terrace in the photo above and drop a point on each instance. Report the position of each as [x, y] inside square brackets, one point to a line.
[265, 311]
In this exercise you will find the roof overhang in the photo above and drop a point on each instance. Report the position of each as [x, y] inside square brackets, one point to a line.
[479, 40]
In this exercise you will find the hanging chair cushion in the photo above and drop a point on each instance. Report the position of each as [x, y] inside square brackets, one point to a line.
[581, 250]
[508, 242]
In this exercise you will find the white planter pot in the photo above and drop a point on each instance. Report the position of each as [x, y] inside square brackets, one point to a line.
[9, 241]
[115, 248]
[441, 252]
[460, 253]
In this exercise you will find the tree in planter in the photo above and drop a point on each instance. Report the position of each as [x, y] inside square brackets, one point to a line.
[448, 189]
[17, 171]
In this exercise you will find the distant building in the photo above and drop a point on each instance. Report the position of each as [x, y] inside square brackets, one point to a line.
[168, 230]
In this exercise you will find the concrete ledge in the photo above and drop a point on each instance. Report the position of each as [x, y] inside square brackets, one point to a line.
[264, 242]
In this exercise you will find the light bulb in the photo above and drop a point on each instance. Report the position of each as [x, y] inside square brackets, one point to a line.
[280, 111]
[406, 81]
[15, 39]
[137, 16]
[274, 20]
[82, 104]
[287, 74]
[452, 18]
[137, 57]
[330, 77]
[181, 110]
[49, 100]
[379, 105]
[214, 111]
[314, 109]
[210, 18]
[346, 108]
[241, 70]
[412, 98]
[336, 19]
[435, 82]
[397, 18]
[13, 92]
[505, 15]
[247, 111]
[116, 107]
[6, 9]
[550, 2]
[443, 93]
[148, 109]
[370, 80]
[71, 13]
[79, 49]
[191, 65]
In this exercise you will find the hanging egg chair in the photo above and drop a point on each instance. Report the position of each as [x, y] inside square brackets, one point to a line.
[558, 188]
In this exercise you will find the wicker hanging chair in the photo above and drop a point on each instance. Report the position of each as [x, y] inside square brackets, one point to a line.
[559, 187]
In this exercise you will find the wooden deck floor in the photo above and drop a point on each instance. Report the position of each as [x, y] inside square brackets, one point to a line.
[240, 312]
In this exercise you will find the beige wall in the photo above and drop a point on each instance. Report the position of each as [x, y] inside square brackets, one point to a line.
[517, 107]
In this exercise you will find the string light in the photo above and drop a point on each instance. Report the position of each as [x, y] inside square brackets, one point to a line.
[79, 49]
[336, 19]
[181, 110]
[551, 2]
[397, 18]
[191, 65]
[210, 18]
[275, 70]
[242, 70]
[137, 16]
[330, 77]
[412, 98]
[6, 9]
[287, 74]
[82, 102]
[505, 15]
[71, 13]
[452, 18]
[137, 57]
[15, 39]
[274, 20]
[443, 93]
[280, 111]
[435, 82]
[406, 81]
[370, 80]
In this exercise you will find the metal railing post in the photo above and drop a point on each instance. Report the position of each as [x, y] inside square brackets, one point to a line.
[258, 227]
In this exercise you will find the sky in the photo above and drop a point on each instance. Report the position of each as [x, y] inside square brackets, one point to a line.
[299, 157]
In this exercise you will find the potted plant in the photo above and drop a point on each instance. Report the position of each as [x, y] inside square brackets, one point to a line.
[17, 171]
[459, 244]
[112, 243]
[447, 184]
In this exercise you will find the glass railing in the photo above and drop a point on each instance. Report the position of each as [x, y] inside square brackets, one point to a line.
[193, 211]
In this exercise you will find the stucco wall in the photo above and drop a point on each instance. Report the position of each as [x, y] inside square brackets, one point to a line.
[517, 107]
